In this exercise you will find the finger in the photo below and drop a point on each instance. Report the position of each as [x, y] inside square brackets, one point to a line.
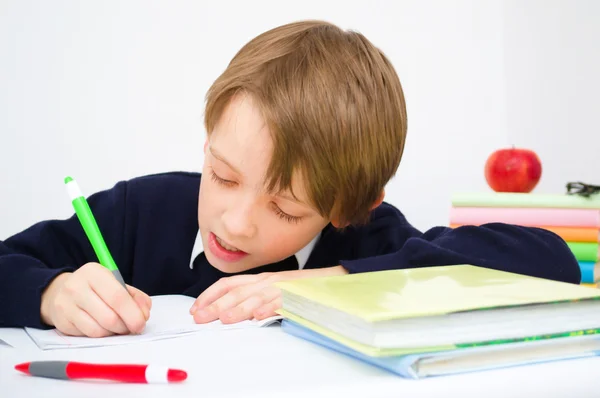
[133, 291]
[142, 299]
[245, 309]
[119, 299]
[88, 325]
[65, 309]
[66, 327]
[105, 316]
[229, 300]
[220, 288]
[268, 309]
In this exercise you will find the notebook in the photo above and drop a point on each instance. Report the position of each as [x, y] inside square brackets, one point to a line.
[398, 312]
[466, 360]
[521, 199]
[169, 318]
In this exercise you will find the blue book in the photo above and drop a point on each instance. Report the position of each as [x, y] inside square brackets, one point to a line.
[590, 271]
[463, 360]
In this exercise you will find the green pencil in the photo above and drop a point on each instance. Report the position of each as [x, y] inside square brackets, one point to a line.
[88, 222]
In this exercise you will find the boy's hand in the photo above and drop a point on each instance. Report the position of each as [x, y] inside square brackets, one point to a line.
[238, 298]
[91, 302]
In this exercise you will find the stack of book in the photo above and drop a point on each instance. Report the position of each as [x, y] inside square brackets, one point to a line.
[576, 219]
[443, 320]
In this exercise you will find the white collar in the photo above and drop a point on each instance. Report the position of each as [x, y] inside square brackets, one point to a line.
[301, 256]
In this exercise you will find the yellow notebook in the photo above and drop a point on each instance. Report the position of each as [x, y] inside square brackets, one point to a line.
[411, 309]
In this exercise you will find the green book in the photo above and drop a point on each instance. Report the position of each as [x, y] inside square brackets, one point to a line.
[514, 199]
[584, 251]
[405, 311]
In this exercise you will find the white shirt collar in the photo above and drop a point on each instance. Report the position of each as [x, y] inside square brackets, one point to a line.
[301, 256]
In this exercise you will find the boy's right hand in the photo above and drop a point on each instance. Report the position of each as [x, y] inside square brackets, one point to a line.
[91, 302]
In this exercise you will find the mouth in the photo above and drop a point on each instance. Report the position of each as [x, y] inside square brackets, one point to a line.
[225, 245]
[224, 250]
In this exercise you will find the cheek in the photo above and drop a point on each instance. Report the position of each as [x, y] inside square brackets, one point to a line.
[280, 241]
[213, 200]
[280, 247]
[205, 199]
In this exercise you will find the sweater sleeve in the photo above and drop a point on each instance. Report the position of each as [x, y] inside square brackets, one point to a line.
[392, 243]
[31, 259]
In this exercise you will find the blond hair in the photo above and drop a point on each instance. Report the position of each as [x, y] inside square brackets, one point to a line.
[335, 110]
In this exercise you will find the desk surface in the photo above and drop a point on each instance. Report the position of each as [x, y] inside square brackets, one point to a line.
[269, 363]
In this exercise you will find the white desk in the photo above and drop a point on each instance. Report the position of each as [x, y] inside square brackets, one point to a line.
[269, 363]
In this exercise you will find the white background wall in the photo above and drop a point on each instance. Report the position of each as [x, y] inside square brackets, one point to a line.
[110, 90]
[552, 70]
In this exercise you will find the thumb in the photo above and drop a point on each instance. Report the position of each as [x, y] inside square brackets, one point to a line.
[141, 299]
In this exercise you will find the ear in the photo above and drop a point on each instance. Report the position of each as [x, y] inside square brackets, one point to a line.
[336, 223]
[205, 146]
[379, 200]
[375, 204]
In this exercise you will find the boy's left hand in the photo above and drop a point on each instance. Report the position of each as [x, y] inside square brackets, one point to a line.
[241, 297]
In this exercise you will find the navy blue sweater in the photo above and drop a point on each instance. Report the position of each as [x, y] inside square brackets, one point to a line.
[150, 225]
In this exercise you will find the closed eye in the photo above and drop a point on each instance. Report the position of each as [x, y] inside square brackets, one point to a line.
[220, 180]
[284, 216]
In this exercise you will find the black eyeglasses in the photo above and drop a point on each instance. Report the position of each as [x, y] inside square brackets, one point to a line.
[579, 188]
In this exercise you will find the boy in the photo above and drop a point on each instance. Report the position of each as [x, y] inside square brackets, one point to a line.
[304, 129]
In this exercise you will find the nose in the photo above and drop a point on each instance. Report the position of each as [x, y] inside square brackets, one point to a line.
[238, 222]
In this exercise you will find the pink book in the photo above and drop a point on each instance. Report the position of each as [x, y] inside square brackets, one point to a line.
[531, 217]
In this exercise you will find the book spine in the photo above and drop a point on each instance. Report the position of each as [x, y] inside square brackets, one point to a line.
[576, 234]
[584, 218]
[568, 234]
[584, 251]
[514, 199]
[589, 271]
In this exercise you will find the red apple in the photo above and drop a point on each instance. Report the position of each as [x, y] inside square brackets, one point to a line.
[513, 170]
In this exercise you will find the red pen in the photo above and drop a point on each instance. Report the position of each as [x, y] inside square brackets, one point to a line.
[66, 370]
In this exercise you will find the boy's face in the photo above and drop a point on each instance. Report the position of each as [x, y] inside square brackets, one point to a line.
[242, 226]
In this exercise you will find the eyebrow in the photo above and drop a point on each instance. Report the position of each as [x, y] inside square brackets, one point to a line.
[220, 157]
[291, 199]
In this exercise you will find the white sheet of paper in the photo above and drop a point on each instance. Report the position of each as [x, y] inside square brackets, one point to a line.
[169, 318]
